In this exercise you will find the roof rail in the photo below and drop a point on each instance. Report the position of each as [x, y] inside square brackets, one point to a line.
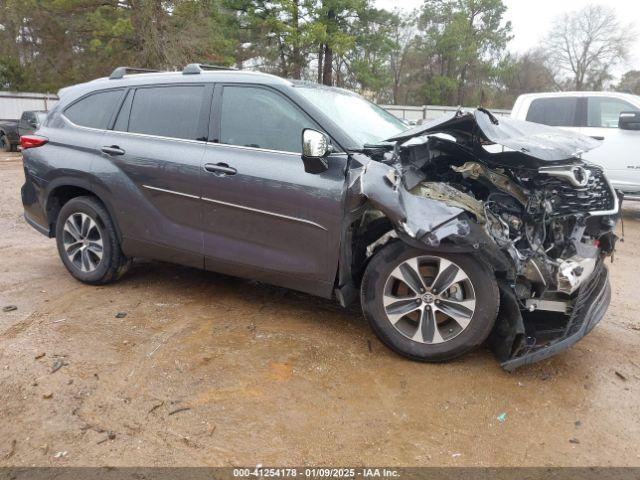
[196, 68]
[120, 72]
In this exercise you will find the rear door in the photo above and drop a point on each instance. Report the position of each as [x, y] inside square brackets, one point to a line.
[264, 216]
[618, 152]
[75, 136]
[151, 166]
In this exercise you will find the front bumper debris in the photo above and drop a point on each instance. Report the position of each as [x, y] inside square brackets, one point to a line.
[590, 305]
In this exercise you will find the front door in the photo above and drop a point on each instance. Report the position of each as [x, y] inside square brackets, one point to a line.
[264, 216]
[618, 152]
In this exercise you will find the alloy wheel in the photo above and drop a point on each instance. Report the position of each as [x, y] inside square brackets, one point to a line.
[429, 299]
[82, 242]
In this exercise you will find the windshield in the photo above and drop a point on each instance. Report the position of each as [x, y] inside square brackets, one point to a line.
[364, 121]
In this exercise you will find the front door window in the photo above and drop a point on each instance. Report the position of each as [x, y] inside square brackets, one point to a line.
[604, 112]
[260, 118]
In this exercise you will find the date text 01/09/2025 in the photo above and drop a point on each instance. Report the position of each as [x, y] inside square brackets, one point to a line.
[318, 472]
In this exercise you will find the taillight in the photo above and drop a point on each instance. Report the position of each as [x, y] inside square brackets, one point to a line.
[32, 141]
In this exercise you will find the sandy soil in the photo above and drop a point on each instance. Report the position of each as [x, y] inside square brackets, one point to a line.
[210, 370]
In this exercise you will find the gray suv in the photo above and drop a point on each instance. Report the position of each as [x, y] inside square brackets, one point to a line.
[466, 228]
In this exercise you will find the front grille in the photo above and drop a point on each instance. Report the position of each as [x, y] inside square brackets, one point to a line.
[568, 199]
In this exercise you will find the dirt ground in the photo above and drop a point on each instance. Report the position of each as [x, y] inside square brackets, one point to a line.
[211, 370]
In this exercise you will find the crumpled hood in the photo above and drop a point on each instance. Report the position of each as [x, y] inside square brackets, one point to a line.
[525, 144]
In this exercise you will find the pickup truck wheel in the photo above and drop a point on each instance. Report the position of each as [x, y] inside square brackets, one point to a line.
[430, 307]
[5, 145]
[87, 242]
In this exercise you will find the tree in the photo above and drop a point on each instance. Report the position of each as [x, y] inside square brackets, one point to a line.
[466, 39]
[366, 66]
[526, 73]
[447, 52]
[630, 82]
[586, 44]
[403, 35]
[333, 33]
[62, 42]
[275, 34]
[12, 74]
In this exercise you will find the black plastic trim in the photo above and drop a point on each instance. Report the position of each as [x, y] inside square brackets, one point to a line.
[598, 303]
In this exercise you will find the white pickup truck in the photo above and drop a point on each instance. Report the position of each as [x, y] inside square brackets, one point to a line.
[611, 117]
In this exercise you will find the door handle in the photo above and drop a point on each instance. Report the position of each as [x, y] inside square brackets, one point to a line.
[597, 137]
[220, 169]
[113, 150]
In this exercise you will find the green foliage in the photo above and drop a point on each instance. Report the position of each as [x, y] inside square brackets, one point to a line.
[449, 52]
[12, 74]
[439, 90]
[464, 40]
[373, 45]
[630, 82]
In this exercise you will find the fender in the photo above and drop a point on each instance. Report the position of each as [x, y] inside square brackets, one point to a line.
[85, 183]
[420, 221]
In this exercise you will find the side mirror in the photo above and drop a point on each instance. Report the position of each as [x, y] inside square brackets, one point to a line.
[629, 121]
[315, 148]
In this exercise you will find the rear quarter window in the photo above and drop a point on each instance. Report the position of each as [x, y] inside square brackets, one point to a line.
[95, 110]
[554, 111]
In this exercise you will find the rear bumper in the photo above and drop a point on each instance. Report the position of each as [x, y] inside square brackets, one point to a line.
[33, 211]
[591, 303]
[41, 228]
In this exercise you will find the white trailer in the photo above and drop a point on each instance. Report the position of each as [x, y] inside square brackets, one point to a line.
[12, 104]
[418, 115]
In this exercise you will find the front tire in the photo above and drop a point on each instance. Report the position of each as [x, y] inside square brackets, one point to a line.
[88, 243]
[430, 307]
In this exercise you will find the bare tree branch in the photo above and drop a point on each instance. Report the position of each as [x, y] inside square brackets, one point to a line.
[584, 45]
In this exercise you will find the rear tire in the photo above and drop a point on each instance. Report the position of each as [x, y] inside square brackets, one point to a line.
[5, 146]
[429, 306]
[88, 243]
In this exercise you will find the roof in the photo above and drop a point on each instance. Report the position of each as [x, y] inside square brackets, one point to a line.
[232, 76]
[627, 96]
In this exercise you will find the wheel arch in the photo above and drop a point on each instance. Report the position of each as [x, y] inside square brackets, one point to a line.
[372, 231]
[61, 191]
[369, 229]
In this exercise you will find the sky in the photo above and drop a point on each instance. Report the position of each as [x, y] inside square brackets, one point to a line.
[531, 19]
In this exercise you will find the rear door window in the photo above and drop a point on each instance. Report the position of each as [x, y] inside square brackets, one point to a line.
[95, 110]
[166, 111]
[261, 118]
[554, 111]
[604, 112]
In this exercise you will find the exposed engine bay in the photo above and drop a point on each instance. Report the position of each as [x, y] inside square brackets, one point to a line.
[515, 195]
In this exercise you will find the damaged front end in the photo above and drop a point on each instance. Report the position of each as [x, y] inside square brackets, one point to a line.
[516, 196]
